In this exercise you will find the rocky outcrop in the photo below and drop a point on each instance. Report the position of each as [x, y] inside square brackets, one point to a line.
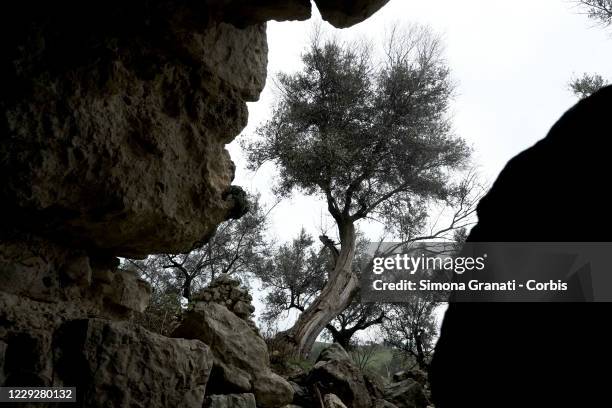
[342, 13]
[241, 360]
[36, 269]
[339, 13]
[551, 192]
[114, 134]
[113, 126]
[116, 364]
[114, 141]
[111, 363]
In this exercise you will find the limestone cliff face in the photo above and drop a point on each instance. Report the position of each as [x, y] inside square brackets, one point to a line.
[114, 116]
[114, 141]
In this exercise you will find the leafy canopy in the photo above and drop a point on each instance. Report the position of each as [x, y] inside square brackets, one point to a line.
[360, 130]
[598, 10]
[587, 85]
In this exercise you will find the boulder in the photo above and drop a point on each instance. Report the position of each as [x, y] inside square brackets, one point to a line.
[30, 267]
[419, 376]
[406, 394]
[128, 291]
[47, 272]
[334, 373]
[334, 352]
[375, 384]
[230, 401]
[241, 357]
[121, 364]
[332, 401]
[27, 329]
[271, 390]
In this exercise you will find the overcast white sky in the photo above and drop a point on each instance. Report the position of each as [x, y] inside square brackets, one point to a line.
[511, 62]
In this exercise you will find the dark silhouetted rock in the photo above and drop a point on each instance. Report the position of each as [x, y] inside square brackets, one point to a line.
[343, 13]
[302, 395]
[339, 13]
[2, 359]
[555, 191]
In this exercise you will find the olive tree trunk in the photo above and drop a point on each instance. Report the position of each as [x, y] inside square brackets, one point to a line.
[337, 294]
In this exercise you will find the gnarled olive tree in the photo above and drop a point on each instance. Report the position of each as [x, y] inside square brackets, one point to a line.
[371, 136]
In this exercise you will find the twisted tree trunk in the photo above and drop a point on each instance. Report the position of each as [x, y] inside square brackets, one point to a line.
[342, 337]
[337, 294]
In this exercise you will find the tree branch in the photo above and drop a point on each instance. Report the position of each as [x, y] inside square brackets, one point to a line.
[331, 245]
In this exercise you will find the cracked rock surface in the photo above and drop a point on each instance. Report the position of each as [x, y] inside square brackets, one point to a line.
[114, 116]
